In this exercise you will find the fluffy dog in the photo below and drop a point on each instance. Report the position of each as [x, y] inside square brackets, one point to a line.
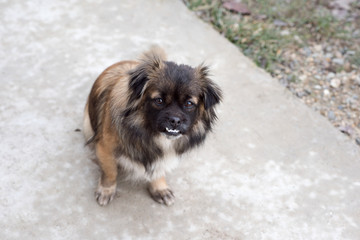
[141, 116]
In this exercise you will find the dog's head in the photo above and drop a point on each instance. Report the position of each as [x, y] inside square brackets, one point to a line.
[173, 98]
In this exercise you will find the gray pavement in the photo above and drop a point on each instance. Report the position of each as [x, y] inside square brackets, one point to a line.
[273, 168]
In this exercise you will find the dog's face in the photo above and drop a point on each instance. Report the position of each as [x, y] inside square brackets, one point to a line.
[173, 98]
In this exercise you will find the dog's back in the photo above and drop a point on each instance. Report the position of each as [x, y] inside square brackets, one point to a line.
[100, 92]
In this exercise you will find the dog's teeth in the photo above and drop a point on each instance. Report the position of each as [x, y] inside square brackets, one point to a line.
[172, 130]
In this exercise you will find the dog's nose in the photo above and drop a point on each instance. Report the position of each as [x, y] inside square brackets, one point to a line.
[175, 121]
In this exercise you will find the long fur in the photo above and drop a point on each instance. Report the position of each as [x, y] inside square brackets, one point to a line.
[116, 116]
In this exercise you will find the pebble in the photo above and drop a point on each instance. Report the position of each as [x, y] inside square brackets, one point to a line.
[339, 61]
[279, 23]
[285, 33]
[356, 33]
[330, 75]
[310, 59]
[326, 92]
[335, 83]
[334, 94]
[298, 39]
[348, 130]
[307, 51]
[331, 115]
[302, 77]
[357, 140]
[338, 54]
[357, 80]
[329, 55]
[318, 48]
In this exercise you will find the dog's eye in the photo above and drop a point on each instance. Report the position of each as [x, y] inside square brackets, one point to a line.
[159, 101]
[189, 104]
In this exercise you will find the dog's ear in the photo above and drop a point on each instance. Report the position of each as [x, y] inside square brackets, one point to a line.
[138, 79]
[150, 63]
[212, 94]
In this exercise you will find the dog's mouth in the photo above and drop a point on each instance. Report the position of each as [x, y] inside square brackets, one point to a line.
[172, 132]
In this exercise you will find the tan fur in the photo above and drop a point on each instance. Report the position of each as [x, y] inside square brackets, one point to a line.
[116, 77]
[87, 129]
[160, 191]
[158, 184]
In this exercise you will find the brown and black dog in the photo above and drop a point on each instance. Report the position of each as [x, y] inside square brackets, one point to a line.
[141, 116]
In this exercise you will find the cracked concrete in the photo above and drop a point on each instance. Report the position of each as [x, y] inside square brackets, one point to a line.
[273, 168]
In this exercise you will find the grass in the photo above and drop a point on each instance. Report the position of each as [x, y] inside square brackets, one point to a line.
[355, 59]
[302, 44]
[274, 26]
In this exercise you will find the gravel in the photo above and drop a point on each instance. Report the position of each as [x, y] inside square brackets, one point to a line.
[322, 77]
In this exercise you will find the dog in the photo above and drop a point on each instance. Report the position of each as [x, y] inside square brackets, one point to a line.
[141, 116]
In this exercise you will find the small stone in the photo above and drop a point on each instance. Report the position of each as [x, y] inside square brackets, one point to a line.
[291, 78]
[330, 75]
[331, 115]
[237, 7]
[348, 130]
[307, 91]
[338, 54]
[301, 94]
[347, 67]
[292, 65]
[326, 92]
[293, 56]
[326, 63]
[344, 50]
[261, 17]
[318, 48]
[338, 61]
[284, 82]
[357, 140]
[285, 32]
[349, 101]
[357, 80]
[329, 55]
[310, 59]
[307, 51]
[335, 83]
[279, 23]
[298, 39]
[356, 33]
[302, 77]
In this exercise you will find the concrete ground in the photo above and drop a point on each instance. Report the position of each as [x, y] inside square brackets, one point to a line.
[272, 169]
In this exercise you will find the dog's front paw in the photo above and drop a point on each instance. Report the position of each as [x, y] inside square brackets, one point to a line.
[104, 195]
[164, 196]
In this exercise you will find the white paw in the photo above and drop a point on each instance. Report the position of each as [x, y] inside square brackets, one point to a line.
[164, 196]
[104, 195]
